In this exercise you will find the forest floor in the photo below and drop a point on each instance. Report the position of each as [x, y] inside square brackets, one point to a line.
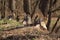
[30, 33]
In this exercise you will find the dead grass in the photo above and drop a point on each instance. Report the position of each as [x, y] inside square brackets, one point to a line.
[8, 24]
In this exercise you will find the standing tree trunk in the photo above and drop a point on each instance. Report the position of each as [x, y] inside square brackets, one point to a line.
[2, 8]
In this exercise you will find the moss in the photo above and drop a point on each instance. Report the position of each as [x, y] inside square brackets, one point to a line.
[9, 24]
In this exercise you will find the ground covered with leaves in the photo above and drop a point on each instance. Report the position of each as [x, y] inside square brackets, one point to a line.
[28, 33]
[13, 30]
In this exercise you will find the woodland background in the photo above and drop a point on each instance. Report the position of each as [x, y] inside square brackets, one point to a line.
[18, 9]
